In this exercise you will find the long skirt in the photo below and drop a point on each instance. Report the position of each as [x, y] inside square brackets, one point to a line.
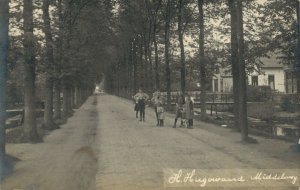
[160, 113]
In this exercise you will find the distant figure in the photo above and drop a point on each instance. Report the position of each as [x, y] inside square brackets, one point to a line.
[179, 108]
[159, 102]
[188, 108]
[156, 95]
[141, 98]
[136, 109]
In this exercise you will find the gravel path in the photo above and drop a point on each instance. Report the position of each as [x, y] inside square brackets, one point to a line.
[133, 154]
[104, 147]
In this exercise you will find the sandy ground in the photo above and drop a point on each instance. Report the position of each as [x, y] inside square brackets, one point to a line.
[65, 161]
[104, 147]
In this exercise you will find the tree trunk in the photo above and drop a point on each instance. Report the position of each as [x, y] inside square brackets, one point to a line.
[4, 18]
[149, 55]
[181, 45]
[146, 64]
[65, 113]
[148, 59]
[79, 97]
[57, 82]
[57, 102]
[142, 77]
[69, 101]
[76, 97]
[202, 60]
[30, 131]
[298, 51]
[48, 114]
[234, 61]
[135, 72]
[151, 85]
[242, 83]
[130, 69]
[157, 85]
[167, 53]
[72, 93]
[118, 76]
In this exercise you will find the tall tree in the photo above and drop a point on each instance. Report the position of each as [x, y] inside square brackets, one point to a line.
[70, 16]
[234, 59]
[167, 52]
[203, 80]
[4, 18]
[48, 113]
[30, 131]
[238, 67]
[153, 8]
[243, 121]
[181, 44]
[297, 53]
[57, 82]
[155, 30]
[134, 62]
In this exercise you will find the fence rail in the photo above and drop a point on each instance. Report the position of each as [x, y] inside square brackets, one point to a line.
[211, 98]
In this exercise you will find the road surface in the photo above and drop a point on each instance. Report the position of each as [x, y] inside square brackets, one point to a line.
[103, 146]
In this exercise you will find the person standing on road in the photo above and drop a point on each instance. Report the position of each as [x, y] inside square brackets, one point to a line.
[189, 111]
[136, 109]
[160, 110]
[141, 98]
[158, 101]
[155, 96]
[179, 108]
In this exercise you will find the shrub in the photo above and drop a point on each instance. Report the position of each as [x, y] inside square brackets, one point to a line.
[264, 111]
[259, 93]
[288, 102]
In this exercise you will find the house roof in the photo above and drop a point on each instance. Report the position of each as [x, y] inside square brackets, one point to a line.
[267, 62]
[270, 62]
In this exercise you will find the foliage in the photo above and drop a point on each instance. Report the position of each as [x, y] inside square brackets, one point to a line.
[259, 110]
[258, 93]
[289, 102]
[280, 28]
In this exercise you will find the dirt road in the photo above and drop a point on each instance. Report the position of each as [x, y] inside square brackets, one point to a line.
[104, 147]
[65, 160]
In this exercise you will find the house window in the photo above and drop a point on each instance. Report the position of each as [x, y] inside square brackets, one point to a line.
[286, 82]
[271, 79]
[216, 85]
[290, 82]
[294, 84]
[217, 70]
[254, 80]
[221, 85]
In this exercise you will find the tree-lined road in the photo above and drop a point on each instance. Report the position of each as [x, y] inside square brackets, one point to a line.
[104, 147]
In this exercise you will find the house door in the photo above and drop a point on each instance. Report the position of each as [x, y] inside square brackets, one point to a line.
[216, 85]
[254, 80]
[271, 79]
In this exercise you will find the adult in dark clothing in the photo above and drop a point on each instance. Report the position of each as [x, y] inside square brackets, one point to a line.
[136, 109]
[179, 108]
[141, 98]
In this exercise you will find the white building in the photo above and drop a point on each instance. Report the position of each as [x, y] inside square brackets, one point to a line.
[270, 74]
[279, 77]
